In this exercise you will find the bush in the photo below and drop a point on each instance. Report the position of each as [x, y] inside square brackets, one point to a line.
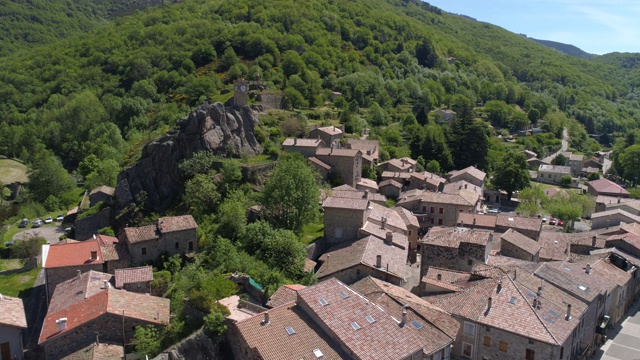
[27, 248]
[566, 180]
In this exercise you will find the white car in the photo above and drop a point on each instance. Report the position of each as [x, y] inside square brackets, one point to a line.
[48, 220]
[60, 218]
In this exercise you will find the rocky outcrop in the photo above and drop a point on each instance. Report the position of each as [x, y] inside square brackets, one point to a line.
[196, 347]
[154, 178]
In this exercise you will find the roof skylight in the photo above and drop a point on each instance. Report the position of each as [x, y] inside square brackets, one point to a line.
[370, 319]
[513, 300]
[290, 330]
[416, 325]
[582, 287]
[355, 325]
[344, 294]
[318, 353]
[323, 301]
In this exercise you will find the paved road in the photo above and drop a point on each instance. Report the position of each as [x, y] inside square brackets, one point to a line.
[624, 340]
[50, 233]
[564, 147]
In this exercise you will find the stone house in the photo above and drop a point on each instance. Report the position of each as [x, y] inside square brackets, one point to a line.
[12, 322]
[515, 245]
[441, 209]
[307, 147]
[470, 175]
[321, 167]
[330, 135]
[606, 187]
[527, 226]
[576, 163]
[401, 177]
[343, 218]
[534, 163]
[174, 235]
[390, 188]
[553, 173]
[136, 279]
[404, 164]
[345, 163]
[359, 194]
[426, 181]
[604, 203]
[606, 219]
[370, 150]
[86, 308]
[102, 193]
[367, 185]
[444, 115]
[529, 154]
[330, 320]
[284, 294]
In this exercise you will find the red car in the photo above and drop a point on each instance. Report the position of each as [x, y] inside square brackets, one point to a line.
[560, 223]
[552, 221]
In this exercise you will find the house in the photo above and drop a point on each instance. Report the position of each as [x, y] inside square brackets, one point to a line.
[345, 163]
[441, 208]
[606, 187]
[528, 226]
[615, 217]
[173, 235]
[515, 245]
[604, 203]
[101, 194]
[137, 279]
[12, 322]
[330, 135]
[330, 320]
[390, 188]
[369, 256]
[284, 294]
[401, 177]
[306, 147]
[370, 150]
[444, 115]
[405, 164]
[576, 163]
[534, 163]
[455, 248]
[631, 206]
[343, 218]
[87, 308]
[553, 173]
[367, 185]
[529, 154]
[440, 281]
[426, 181]
[321, 167]
[359, 194]
[470, 175]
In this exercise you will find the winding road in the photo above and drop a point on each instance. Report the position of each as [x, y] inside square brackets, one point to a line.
[564, 147]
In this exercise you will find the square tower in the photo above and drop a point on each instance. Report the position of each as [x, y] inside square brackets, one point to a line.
[240, 93]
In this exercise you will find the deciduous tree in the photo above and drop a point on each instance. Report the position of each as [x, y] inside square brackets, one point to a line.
[511, 173]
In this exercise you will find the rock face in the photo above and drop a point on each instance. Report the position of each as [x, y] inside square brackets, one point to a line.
[221, 130]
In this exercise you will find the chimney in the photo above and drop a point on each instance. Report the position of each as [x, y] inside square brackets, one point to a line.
[94, 255]
[490, 237]
[404, 316]
[474, 222]
[295, 141]
[489, 300]
[78, 273]
[378, 260]
[618, 200]
[62, 324]
[389, 238]
[587, 269]
[106, 284]
[593, 241]
[384, 221]
[465, 186]
[535, 302]
[459, 187]
[94, 236]
[499, 288]
[266, 318]
[539, 290]
[568, 317]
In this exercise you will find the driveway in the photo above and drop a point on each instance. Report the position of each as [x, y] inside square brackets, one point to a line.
[624, 339]
[50, 233]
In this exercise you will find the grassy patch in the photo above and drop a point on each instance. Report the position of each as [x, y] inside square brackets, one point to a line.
[259, 160]
[18, 284]
[10, 264]
[312, 232]
[12, 171]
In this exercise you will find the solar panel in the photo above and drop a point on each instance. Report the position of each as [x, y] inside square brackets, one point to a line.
[344, 294]
[323, 302]
[416, 325]
[355, 325]
[553, 313]
[531, 295]
[318, 353]
[548, 319]
[290, 330]
[370, 319]
[582, 287]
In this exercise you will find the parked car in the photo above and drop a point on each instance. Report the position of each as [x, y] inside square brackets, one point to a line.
[552, 221]
[48, 220]
[544, 219]
[23, 223]
[60, 218]
[493, 211]
[560, 223]
[36, 223]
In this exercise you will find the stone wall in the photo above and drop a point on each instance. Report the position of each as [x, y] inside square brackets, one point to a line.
[180, 242]
[342, 224]
[196, 347]
[317, 248]
[270, 100]
[510, 250]
[139, 287]
[144, 251]
[86, 227]
[516, 345]
[239, 346]
[55, 276]
[255, 173]
[349, 168]
[449, 216]
[30, 264]
[360, 271]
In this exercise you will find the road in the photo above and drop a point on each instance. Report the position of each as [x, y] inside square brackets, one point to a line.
[563, 147]
[624, 340]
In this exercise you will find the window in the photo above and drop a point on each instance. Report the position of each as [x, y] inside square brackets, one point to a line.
[461, 210]
[431, 221]
[467, 349]
[144, 251]
[433, 210]
[487, 341]
[339, 233]
[469, 329]
[469, 262]
[439, 221]
[424, 209]
[561, 352]
[504, 346]
[177, 245]
[190, 245]
[441, 211]
[530, 355]
[410, 232]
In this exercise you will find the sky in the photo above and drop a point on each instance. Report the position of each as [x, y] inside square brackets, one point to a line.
[597, 27]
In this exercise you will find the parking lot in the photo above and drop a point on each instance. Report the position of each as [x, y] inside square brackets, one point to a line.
[50, 233]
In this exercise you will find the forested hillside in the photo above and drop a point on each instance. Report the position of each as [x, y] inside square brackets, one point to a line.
[565, 48]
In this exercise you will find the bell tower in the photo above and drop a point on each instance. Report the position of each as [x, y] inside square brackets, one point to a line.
[240, 95]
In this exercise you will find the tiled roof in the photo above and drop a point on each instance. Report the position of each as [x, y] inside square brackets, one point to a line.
[604, 214]
[607, 186]
[77, 289]
[113, 301]
[140, 234]
[302, 142]
[133, 275]
[378, 213]
[99, 351]
[331, 130]
[633, 260]
[400, 240]
[629, 204]
[344, 188]
[73, 254]
[284, 294]
[348, 194]
[309, 265]
[390, 182]
[467, 191]
[572, 279]
[272, 341]
[384, 338]
[609, 200]
[576, 157]
[480, 220]
[471, 170]
[453, 237]
[368, 183]
[363, 251]
[365, 145]
[176, 223]
[435, 198]
[404, 164]
[633, 228]
[407, 216]
[106, 240]
[103, 189]
[519, 222]
[559, 169]
[521, 241]
[450, 279]
[429, 177]
[345, 203]
[12, 312]
[115, 252]
[320, 163]
[337, 152]
[395, 175]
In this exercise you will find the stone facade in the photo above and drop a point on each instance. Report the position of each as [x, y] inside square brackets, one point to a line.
[342, 224]
[435, 213]
[510, 250]
[57, 275]
[86, 227]
[144, 251]
[552, 173]
[180, 242]
[463, 258]
[344, 162]
[329, 134]
[361, 271]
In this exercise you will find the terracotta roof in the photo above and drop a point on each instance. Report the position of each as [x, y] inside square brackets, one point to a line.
[395, 175]
[176, 223]
[633, 228]
[113, 301]
[77, 289]
[607, 186]
[272, 341]
[404, 164]
[523, 242]
[368, 183]
[115, 252]
[309, 265]
[519, 222]
[140, 234]
[555, 169]
[454, 236]
[363, 251]
[73, 254]
[106, 240]
[285, 294]
[407, 216]
[480, 220]
[466, 190]
[337, 152]
[348, 194]
[331, 130]
[345, 203]
[372, 146]
[400, 240]
[471, 170]
[390, 182]
[632, 259]
[133, 275]
[629, 204]
[99, 351]
[608, 200]
[614, 212]
[368, 340]
[344, 188]
[12, 312]
[572, 279]
[378, 213]
[302, 142]
[103, 189]
[436, 198]
[320, 163]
